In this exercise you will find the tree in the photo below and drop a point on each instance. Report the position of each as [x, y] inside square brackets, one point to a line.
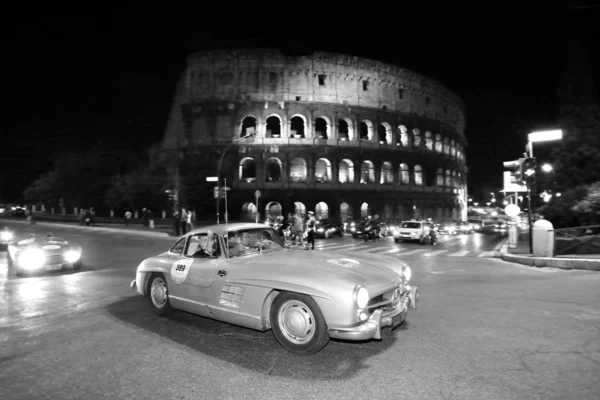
[588, 208]
[579, 118]
[560, 210]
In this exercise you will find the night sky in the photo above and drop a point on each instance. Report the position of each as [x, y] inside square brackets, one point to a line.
[73, 80]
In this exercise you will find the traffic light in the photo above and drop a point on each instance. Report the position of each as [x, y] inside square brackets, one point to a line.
[528, 169]
[515, 167]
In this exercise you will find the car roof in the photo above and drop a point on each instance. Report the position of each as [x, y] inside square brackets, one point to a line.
[220, 229]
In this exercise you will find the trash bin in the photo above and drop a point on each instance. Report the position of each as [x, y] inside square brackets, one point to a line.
[543, 238]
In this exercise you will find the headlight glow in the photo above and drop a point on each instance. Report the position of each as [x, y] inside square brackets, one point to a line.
[407, 273]
[6, 236]
[362, 297]
[73, 256]
[32, 258]
[320, 230]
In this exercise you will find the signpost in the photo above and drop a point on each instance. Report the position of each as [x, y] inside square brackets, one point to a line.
[257, 195]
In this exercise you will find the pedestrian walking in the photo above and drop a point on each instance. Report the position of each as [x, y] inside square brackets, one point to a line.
[184, 221]
[190, 224]
[151, 218]
[298, 229]
[127, 218]
[176, 222]
[310, 227]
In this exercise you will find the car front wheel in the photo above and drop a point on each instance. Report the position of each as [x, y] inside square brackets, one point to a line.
[298, 324]
[158, 295]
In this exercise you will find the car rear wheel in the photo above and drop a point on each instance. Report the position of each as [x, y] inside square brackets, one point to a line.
[298, 324]
[158, 295]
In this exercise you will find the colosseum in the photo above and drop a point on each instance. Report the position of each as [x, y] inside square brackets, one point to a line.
[343, 136]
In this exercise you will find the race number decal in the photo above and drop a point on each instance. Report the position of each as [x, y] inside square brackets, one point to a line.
[180, 269]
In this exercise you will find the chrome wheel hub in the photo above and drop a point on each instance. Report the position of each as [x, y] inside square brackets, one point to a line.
[158, 293]
[297, 322]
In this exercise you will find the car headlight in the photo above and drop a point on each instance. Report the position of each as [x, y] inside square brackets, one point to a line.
[407, 273]
[362, 297]
[6, 236]
[73, 256]
[33, 258]
[320, 230]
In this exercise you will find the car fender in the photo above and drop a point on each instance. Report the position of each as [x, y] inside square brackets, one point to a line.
[282, 286]
[148, 266]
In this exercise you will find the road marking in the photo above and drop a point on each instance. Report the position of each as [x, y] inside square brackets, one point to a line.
[373, 250]
[397, 249]
[434, 253]
[487, 254]
[437, 272]
[459, 253]
[334, 246]
[408, 253]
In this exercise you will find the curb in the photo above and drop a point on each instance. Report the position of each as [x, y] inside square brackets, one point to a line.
[96, 228]
[552, 262]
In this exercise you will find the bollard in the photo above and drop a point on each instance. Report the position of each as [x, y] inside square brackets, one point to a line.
[112, 213]
[164, 214]
[513, 233]
[52, 210]
[543, 238]
[75, 211]
[64, 210]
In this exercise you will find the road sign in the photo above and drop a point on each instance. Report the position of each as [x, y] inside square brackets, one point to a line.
[257, 194]
[510, 186]
[212, 179]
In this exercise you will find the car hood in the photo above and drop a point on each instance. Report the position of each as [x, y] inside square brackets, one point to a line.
[327, 265]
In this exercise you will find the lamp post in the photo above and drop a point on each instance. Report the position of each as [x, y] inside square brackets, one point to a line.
[541, 136]
[219, 170]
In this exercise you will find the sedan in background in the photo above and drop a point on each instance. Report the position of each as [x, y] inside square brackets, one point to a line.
[326, 228]
[447, 228]
[464, 227]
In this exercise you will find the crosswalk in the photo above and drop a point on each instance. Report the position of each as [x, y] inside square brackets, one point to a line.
[384, 248]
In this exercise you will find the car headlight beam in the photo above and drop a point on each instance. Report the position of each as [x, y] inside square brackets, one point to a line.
[32, 258]
[6, 236]
[73, 256]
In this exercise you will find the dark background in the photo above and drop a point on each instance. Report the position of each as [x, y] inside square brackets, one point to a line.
[72, 80]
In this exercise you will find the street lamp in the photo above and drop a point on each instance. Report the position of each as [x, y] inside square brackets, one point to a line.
[547, 168]
[249, 135]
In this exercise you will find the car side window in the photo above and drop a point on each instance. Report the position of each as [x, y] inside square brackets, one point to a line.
[203, 246]
[178, 247]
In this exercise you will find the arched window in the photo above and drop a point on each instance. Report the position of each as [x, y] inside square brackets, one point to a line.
[321, 128]
[385, 133]
[345, 132]
[418, 175]
[298, 170]
[440, 177]
[346, 172]
[323, 170]
[446, 146]
[448, 180]
[428, 140]
[387, 173]
[248, 126]
[247, 170]
[367, 172]
[416, 137]
[438, 143]
[404, 140]
[273, 127]
[404, 174]
[453, 149]
[274, 168]
[297, 127]
[366, 130]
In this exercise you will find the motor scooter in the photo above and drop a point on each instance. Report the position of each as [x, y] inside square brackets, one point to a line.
[371, 233]
[428, 238]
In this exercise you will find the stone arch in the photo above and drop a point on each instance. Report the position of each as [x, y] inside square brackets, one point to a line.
[346, 171]
[448, 180]
[345, 129]
[385, 133]
[367, 172]
[248, 126]
[453, 148]
[365, 210]
[249, 212]
[247, 169]
[388, 212]
[446, 145]
[416, 137]
[298, 170]
[299, 208]
[273, 126]
[418, 172]
[440, 177]
[321, 210]
[272, 211]
[298, 126]
[322, 127]
[365, 130]
[323, 170]
[387, 173]
[438, 142]
[274, 170]
[404, 174]
[404, 136]
[345, 212]
[428, 140]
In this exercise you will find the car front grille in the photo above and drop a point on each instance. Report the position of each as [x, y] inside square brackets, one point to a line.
[52, 259]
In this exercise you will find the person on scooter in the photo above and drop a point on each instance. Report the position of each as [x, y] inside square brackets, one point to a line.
[432, 232]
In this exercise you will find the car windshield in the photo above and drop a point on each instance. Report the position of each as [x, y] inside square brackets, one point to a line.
[251, 241]
[411, 225]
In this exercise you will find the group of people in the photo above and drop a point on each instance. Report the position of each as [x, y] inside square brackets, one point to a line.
[147, 218]
[300, 225]
[182, 221]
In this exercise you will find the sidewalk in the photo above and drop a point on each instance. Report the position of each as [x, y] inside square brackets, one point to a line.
[522, 255]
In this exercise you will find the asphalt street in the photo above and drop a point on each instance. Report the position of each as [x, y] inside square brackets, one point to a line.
[484, 329]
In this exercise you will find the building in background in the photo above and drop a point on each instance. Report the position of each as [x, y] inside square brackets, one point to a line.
[342, 136]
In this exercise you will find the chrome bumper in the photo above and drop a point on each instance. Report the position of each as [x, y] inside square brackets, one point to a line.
[371, 328]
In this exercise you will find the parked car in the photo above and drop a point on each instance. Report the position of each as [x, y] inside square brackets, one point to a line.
[36, 254]
[18, 211]
[243, 274]
[327, 228]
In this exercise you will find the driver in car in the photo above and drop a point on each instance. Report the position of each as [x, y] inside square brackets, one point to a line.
[238, 244]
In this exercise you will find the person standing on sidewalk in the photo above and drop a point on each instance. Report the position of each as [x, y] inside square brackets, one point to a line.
[190, 224]
[151, 218]
[176, 222]
[127, 218]
[183, 221]
[310, 228]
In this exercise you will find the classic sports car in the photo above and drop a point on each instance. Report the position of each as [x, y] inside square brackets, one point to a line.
[36, 254]
[244, 274]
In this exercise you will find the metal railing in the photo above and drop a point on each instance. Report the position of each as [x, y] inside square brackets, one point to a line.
[577, 240]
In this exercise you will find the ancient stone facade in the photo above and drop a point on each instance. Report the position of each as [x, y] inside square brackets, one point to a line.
[341, 135]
